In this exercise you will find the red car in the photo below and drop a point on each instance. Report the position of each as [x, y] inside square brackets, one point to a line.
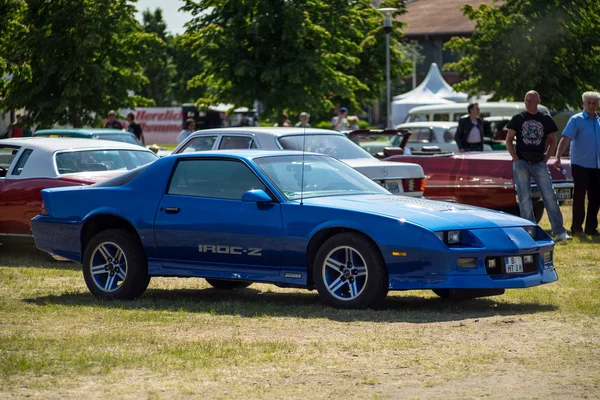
[28, 165]
[483, 179]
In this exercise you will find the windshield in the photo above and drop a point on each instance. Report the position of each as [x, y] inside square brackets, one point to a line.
[323, 176]
[102, 160]
[337, 146]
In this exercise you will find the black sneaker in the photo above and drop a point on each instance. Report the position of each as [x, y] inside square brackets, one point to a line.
[593, 233]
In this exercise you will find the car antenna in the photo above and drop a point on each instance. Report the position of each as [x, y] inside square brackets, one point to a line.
[303, 151]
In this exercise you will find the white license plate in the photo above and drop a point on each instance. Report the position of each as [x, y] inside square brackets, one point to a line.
[391, 186]
[564, 194]
[514, 265]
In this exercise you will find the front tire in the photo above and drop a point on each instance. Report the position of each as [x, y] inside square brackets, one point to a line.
[349, 272]
[224, 284]
[115, 265]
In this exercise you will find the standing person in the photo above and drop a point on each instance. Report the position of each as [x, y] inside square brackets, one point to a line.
[283, 120]
[134, 128]
[583, 134]
[111, 121]
[470, 131]
[353, 122]
[303, 123]
[536, 142]
[340, 123]
[16, 128]
[188, 128]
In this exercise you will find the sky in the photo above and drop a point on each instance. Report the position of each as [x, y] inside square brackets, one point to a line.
[171, 14]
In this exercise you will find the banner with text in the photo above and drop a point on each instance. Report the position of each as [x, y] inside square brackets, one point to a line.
[159, 124]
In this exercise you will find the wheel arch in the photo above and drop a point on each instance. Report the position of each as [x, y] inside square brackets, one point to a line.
[320, 237]
[101, 222]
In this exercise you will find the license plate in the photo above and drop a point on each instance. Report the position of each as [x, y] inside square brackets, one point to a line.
[513, 265]
[391, 186]
[564, 194]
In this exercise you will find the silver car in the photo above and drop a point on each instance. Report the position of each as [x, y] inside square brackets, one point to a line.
[397, 177]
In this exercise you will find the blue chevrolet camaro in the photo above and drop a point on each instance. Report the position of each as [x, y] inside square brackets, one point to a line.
[283, 217]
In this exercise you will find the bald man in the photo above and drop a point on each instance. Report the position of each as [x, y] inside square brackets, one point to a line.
[536, 143]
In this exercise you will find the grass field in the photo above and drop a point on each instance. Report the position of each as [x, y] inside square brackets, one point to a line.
[185, 340]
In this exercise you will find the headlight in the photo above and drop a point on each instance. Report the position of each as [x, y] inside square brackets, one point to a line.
[453, 237]
[531, 230]
[449, 237]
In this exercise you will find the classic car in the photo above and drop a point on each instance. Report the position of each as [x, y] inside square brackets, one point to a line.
[90, 133]
[28, 165]
[483, 179]
[289, 218]
[406, 178]
[425, 136]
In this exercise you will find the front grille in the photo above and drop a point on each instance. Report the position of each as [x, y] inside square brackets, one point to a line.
[500, 268]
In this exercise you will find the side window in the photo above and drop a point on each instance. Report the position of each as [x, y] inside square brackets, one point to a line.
[456, 117]
[449, 135]
[441, 117]
[201, 143]
[237, 142]
[21, 162]
[421, 135]
[7, 154]
[222, 179]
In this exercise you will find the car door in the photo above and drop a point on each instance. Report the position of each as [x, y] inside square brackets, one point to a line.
[202, 223]
[7, 214]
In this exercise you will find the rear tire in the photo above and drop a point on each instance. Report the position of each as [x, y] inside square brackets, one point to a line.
[115, 265]
[349, 272]
[224, 284]
[538, 210]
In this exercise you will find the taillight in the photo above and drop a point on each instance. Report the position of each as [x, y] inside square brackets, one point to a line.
[413, 185]
[44, 210]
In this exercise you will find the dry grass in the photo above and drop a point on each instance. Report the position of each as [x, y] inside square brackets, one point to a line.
[185, 340]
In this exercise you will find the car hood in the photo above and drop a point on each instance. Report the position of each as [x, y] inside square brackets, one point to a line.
[435, 215]
[376, 169]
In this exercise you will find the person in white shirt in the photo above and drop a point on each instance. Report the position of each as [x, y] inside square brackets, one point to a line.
[470, 131]
[340, 123]
[188, 129]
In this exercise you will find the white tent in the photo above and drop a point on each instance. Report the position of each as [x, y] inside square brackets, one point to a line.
[435, 83]
[401, 107]
[433, 90]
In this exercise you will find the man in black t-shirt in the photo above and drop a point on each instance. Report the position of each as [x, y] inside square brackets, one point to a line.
[134, 128]
[536, 143]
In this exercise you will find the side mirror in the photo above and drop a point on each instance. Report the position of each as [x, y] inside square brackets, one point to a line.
[256, 196]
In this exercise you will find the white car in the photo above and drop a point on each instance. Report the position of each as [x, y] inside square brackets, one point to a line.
[398, 178]
[433, 134]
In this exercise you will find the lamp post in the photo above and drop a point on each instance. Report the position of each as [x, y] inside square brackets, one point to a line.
[387, 28]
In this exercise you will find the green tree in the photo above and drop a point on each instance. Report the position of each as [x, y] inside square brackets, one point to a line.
[295, 55]
[187, 67]
[550, 46]
[82, 56]
[159, 69]
[11, 25]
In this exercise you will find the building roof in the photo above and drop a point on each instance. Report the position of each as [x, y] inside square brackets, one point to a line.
[438, 17]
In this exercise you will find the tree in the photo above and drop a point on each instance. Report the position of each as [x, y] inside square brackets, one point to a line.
[548, 45]
[82, 56]
[159, 69]
[11, 25]
[296, 55]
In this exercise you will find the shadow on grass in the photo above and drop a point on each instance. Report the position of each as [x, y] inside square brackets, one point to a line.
[252, 303]
[27, 256]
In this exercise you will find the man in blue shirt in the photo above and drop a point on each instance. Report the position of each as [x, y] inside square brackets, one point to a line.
[583, 134]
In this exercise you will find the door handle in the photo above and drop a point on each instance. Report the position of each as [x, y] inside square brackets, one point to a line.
[171, 210]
